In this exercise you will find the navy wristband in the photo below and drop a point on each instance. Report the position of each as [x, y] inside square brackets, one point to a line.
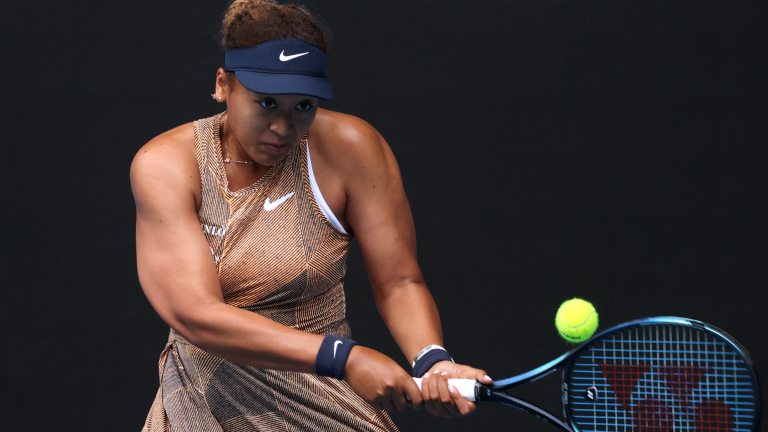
[332, 357]
[428, 360]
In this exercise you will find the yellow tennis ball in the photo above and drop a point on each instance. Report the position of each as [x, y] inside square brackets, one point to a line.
[576, 320]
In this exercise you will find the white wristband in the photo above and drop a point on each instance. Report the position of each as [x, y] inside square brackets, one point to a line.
[426, 349]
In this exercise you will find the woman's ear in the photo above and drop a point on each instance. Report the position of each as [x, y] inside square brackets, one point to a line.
[222, 86]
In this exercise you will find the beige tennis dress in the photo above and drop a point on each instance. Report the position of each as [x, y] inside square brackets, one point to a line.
[278, 255]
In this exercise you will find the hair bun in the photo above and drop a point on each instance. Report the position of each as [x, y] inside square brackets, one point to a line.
[253, 22]
[239, 6]
[246, 3]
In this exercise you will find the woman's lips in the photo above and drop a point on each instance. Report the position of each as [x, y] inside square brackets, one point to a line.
[275, 147]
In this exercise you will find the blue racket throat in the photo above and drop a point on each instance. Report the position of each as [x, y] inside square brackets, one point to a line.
[650, 375]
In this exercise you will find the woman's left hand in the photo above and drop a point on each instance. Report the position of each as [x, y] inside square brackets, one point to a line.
[439, 399]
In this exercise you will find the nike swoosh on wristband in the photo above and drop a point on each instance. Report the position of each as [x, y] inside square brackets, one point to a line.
[284, 57]
[336, 345]
[269, 206]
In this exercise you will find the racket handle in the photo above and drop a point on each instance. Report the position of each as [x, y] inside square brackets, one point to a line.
[465, 387]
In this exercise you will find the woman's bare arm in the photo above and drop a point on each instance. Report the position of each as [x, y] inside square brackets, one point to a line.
[378, 212]
[177, 271]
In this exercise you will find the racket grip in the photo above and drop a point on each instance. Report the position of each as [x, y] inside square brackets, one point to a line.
[465, 387]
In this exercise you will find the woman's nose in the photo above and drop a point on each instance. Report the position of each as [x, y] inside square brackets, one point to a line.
[281, 126]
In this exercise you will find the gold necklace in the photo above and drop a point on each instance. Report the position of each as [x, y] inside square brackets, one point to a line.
[226, 153]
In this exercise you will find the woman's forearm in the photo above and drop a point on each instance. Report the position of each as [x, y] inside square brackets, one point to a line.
[411, 316]
[248, 338]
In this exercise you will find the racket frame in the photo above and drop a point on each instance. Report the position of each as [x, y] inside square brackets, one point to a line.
[498, 391]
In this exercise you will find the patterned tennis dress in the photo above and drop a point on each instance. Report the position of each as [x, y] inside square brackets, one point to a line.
[282, 259]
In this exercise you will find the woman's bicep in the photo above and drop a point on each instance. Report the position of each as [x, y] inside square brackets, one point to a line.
[379, 213]
[176, 269]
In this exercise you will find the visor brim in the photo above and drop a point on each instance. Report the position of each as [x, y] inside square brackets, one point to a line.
[277, 83]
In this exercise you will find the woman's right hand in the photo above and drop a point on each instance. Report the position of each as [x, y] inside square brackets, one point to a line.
[380, 381]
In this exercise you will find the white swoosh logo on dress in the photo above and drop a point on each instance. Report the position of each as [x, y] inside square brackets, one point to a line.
[269, 206]
[284, 57]
[336, 345]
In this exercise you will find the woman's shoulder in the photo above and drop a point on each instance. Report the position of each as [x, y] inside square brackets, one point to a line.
[172, 143]
[352, 150]
[168, 159]
[343, 127]
[343, 137]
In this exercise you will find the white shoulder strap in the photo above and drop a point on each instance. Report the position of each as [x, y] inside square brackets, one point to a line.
[319, 196]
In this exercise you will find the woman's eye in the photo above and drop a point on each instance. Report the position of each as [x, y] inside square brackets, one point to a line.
[304, 106]
[268, 104]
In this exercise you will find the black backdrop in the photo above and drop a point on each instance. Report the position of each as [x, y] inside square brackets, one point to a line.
[614, 151]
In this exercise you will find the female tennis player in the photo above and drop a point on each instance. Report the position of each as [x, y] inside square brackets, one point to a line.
[244, 221]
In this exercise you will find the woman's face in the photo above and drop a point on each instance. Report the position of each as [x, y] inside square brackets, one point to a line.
[266, 126]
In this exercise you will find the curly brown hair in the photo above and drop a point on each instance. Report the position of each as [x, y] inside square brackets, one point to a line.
[253, 22]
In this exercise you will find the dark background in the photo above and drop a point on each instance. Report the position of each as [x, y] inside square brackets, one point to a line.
[610, 150]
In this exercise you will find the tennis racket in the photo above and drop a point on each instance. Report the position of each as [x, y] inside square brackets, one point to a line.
[651, 375]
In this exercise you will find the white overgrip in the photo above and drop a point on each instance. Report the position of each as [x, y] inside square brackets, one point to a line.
[466, 387]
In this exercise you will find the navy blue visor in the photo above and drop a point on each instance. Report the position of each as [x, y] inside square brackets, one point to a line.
[283, 66]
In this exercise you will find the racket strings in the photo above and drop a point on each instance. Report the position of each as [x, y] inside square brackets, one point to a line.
[659, 378]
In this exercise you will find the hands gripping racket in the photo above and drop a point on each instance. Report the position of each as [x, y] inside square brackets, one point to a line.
[651, 375]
